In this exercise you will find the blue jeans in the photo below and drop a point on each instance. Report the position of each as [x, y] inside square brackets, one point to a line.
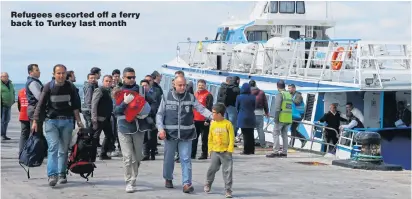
[5, 119]
[231, 115]
[185, 150]
[259, 128]
[58, 136]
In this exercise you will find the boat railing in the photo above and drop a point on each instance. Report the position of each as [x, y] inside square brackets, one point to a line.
[315, 127]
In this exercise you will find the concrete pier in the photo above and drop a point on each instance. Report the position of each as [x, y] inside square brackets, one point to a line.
[255, 176]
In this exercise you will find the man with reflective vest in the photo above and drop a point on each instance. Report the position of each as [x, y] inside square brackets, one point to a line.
[174, 121]
[282, 120]
[298, 110]
[23, 117]
[201, 124]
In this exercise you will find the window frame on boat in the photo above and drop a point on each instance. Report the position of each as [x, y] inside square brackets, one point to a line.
[285, 7]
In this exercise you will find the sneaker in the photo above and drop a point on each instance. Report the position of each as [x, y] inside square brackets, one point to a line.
[169, 184]
[273, 155]
[129, 188]
[202, 157]
[188, 188]
[152, 157]
[62, 179]
[207, 188]
[52, 181]
[145, 158]
[228, 194]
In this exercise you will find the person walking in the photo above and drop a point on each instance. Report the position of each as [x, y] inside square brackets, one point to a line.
[23, 118]
[282, 120]
[7, 100]
[221, 146]
[88, 89]
[130, 136]
[59, 103]
[246, 119]
[101, 112]
[298, 109]
[201, 124]
[175, 124]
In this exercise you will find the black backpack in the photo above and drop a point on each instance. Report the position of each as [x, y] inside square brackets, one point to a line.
[80, 160]
[33, 153]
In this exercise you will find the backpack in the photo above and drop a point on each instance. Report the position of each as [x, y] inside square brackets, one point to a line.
[33, 153]
[80, 160]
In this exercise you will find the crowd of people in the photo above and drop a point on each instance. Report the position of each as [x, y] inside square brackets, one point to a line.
[179, 117]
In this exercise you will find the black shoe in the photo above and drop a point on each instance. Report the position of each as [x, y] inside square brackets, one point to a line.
[5, 138]
[104, 157]
[145, 158]
[169, 184]
[303, 143]
[202, 157]
[152, 157]
[156, 151]
[99, 145]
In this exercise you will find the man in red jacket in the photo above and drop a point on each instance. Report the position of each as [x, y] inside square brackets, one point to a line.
[202, 125]
[22, 105]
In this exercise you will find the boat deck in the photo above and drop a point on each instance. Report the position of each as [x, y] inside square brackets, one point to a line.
[254, 177]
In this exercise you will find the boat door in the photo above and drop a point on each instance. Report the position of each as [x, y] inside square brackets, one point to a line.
[294, 34]
[372, 109]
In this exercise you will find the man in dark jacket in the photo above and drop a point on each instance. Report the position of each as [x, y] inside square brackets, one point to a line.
[232, 92]
[130, 135]
[33, 89]
[260, 111]
[178, 130]
[222, 93]
[88, 89]
[149, 150]
[333, 119]
[157, 93]
[72, 78]
[101, 111]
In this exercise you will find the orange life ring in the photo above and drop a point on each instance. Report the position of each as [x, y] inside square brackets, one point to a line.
[337, 55]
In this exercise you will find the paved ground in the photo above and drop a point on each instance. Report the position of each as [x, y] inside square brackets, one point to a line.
[254, 177]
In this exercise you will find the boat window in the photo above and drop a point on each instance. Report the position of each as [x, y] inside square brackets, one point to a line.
[310, 103]
[257, 36]
[287, 7]
[272, 107]
[274, 7]
[294, 34]
[300, 7]
[218, 35]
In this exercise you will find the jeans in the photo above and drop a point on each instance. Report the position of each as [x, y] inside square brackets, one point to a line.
[259, 127]
[58, 136]
[5, 119]
[185, 150]
[231, 115]
[113, 120]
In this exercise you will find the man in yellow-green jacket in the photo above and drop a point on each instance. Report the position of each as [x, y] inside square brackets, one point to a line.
[282, 120]
[7, 100]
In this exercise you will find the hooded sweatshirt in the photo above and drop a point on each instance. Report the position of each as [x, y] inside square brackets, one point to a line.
[261, 101]
[245, 105]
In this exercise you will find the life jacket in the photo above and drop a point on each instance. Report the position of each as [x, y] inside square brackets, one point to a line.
[23, 105]
[134, 107]
[201, 97]
[285, 115]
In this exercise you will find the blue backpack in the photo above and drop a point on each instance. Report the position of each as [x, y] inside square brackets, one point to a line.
[33, 153]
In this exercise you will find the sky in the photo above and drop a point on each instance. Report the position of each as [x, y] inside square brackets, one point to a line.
[150, 41]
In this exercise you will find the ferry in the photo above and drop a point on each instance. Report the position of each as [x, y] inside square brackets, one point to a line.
[280, 42]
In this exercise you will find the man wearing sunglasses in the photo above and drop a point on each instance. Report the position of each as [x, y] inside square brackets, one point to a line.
[131, 134]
